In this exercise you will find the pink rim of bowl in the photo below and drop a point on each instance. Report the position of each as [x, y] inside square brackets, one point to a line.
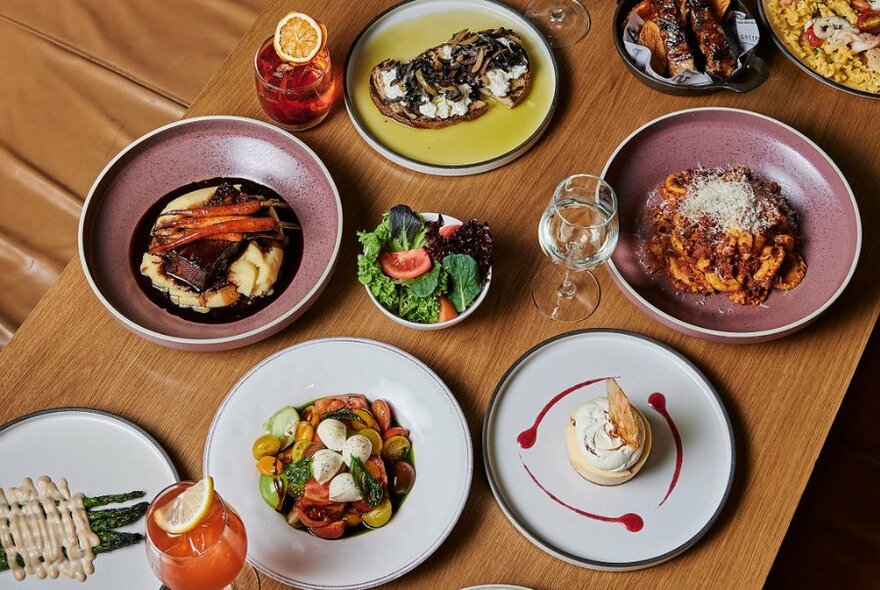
[448, 220]
[196, 149]
[720, 137]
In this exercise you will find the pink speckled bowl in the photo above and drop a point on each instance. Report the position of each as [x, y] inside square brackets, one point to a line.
[720, 137]
[197, 149]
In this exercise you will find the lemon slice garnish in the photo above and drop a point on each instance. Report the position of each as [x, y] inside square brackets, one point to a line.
[187, 510]
[298, 38]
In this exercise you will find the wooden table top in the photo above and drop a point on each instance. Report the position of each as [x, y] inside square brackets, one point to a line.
[782, 396]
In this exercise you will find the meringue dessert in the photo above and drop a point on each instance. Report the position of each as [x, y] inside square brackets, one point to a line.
[608, 438]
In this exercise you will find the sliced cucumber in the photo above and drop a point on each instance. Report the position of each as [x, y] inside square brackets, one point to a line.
[282, 425]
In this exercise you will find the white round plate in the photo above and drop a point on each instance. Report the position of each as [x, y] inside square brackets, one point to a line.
[98, 453]
[642, 367]
[421, 403]
[491, 141]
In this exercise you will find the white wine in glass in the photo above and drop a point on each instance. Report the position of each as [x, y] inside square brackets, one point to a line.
[578, 232]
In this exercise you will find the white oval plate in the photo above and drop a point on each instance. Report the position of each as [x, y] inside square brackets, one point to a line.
[433, 16]
[98, 453]
[421, 403]
[642, 367]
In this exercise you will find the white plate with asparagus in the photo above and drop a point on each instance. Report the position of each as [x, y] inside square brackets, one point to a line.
[118, 468]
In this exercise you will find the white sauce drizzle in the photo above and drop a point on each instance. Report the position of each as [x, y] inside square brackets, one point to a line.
[48, 528]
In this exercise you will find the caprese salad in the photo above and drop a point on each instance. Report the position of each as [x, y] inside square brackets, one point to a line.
[425, 272]
[335, 467]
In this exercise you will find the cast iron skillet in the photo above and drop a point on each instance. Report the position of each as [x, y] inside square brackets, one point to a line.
[751, 75]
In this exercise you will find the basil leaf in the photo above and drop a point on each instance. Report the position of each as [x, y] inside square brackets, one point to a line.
[297, 474]
[406, 228]
[425, 285]
[343, 413]
[369, 487]
[464, 280]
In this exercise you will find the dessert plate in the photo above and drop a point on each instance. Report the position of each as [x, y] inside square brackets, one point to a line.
[98, 453]
[715, 137]
[318, 368]
[493, 140]
[655, 516]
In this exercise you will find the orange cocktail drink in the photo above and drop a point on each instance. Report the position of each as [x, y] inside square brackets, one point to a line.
[208, 557]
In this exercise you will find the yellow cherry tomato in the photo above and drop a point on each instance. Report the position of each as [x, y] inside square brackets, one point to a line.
[265, 445]
[311, 415]
[396, 448]
[269, 465]
[293, 453]
[375, 438]
[379, 516]
[304, 431]
[352, 518]
[364, 420]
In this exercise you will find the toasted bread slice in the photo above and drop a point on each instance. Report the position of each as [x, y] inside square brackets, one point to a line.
[439, 74]
[394, 109]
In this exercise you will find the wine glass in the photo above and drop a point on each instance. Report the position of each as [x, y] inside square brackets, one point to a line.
[564, 22]
[578, 231]
[209, 557]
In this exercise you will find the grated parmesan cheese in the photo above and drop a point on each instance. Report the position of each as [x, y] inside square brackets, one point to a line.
[726, 203]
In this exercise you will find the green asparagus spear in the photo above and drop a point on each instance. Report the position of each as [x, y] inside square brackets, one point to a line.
[112, 518]
[94, 501]
[110, 541]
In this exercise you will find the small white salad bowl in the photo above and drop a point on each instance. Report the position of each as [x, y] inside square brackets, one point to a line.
[447, 220]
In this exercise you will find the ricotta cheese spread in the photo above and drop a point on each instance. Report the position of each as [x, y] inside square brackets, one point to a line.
[441, 107]
[392, 91]
[499, 80]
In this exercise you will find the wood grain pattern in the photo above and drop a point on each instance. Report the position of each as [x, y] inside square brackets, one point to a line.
[782, 396]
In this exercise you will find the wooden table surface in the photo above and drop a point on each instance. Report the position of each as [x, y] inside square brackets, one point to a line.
[782, 396]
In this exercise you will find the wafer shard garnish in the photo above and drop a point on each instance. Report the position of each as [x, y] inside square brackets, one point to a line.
[622, 415]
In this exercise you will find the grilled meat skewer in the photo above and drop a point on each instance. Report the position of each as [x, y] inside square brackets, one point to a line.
[673, 31]
[711, 39]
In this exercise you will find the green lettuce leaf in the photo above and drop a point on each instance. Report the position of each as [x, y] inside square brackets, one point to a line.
[407, 230]
[464, 280]
[423, 310]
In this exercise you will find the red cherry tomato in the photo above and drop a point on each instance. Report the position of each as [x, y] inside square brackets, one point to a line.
[356, 402]
[447, 310]
[811, 38]
[405, 265]
[331, 531]
[448, 230]
[396, 431]
[317, 492]
[313, 448]
[378, 469]
[382, 414]
[317, 514]
[327, 404]
[361, 506]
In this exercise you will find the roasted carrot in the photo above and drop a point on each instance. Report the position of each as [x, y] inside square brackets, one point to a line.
[194, 222]
[257, 224]
[246, 208]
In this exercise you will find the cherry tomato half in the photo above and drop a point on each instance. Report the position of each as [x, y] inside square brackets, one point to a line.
[269, 465]
[448, 230]
[331, 531]
[317, 492]
[379, 516]
[403, 477]
[396, 448]
[265, 445]
[376, 466]
[364, 420]
[811, 38]
[316, 514]
[395, 431]
[311, 416]
[382, 413]
[405, 265]
[304, 431]
[361, 506]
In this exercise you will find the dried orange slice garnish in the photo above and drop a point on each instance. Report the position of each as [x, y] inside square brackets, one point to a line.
[298, 38]
[622, 414]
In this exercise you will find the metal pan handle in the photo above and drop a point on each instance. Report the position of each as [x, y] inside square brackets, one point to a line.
[753, 74]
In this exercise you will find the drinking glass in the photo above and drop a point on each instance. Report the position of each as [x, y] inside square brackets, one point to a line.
[565, 22]
[297, 97]
[209, 557]
[578, 231]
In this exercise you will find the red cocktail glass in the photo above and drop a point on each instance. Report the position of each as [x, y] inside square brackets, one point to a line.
[295, 96]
